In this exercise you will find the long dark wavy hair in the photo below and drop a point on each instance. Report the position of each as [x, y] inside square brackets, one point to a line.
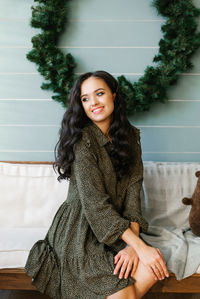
[75, 119]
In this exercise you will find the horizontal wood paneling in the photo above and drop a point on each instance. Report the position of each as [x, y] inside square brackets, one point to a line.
[154, 140]
[15, 33]
[30, 119]
[13, 86]
[26, 156]
[27, 86]
[32, 112]
[170, 139]
[167, 139]
[171, 156]
[128, 60]
[113, 60]
[16, 9]
[49, 156]
[28, 138]
[188, 87]
[18, 33]
[87, 9]
[171, 113]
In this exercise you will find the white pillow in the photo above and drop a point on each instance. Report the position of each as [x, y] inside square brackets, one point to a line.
[29, 195]
[164, 186]
[15, 244]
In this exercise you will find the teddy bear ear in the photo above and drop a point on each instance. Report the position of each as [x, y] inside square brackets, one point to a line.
[197, 174]
[187, 201]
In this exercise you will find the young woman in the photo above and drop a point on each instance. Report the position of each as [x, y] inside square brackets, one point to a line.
[93, 248]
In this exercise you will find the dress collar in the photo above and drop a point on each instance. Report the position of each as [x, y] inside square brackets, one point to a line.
[101, 138]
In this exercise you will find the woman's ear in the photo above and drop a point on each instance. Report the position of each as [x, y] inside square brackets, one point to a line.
[114, 95]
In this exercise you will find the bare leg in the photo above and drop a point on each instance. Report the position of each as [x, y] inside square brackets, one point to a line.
[144, 280]
[126, 293]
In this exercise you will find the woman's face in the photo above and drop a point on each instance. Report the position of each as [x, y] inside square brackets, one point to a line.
[97, 100]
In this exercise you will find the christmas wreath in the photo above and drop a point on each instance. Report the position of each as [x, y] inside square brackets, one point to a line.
[179, 42]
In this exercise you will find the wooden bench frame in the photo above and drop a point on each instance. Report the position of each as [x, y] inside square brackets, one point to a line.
[17, 279]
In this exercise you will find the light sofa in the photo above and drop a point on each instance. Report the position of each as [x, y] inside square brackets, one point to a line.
[30, 196]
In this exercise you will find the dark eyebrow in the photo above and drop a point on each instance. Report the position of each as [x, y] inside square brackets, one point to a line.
[94, 91]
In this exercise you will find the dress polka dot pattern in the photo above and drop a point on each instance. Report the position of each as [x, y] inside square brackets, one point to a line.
[76, 258]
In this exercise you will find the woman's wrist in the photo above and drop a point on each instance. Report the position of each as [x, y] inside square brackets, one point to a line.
[135, 227]
[131, 238]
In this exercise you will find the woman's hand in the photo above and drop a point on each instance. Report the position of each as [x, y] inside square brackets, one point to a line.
[153, 259]
[126, 259]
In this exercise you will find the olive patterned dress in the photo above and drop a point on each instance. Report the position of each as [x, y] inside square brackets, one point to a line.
[76, 258]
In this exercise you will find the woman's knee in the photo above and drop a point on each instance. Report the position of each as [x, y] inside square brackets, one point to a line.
[144, 280]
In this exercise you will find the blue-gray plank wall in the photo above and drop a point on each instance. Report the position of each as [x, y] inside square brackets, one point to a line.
[120, 37]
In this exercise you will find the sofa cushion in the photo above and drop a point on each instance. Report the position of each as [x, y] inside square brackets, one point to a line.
[30, 194]
[164, 186]
[15, 244]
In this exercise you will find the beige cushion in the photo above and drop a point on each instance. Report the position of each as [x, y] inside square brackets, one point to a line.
[29, 195]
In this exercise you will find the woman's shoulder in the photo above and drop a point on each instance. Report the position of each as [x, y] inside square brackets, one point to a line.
[85, 143]
[92, 138]
[134, 134]
[134, 129]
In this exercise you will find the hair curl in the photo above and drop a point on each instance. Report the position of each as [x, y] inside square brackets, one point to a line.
[75, 118]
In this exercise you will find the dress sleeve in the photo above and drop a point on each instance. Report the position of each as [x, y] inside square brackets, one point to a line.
[106, 223]
[132, 202]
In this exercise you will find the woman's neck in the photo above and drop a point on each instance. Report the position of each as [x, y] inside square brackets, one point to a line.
[104, 128]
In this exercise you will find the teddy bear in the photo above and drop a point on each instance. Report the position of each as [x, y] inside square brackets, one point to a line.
[194, 216]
